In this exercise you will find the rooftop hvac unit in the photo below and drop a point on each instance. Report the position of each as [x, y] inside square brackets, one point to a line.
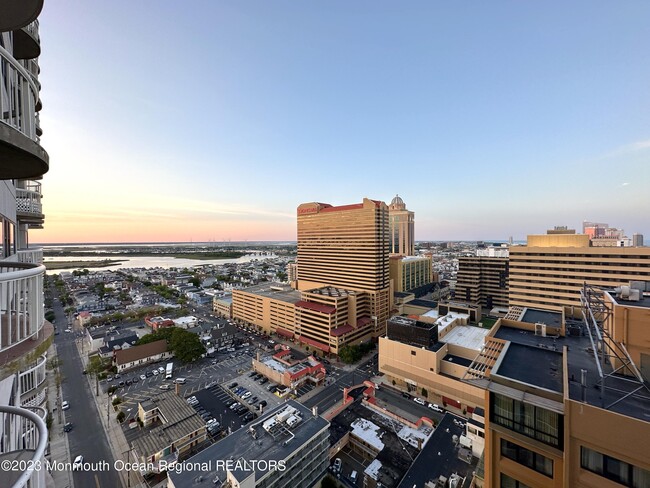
[540, 329]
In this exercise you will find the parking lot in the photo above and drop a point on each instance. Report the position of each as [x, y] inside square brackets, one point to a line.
[258, 390]
[197, 377]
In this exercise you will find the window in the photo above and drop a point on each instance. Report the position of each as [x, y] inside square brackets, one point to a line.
[534, 422]
[508, 482]
[412, 353]
[613, 469]
[528, 458]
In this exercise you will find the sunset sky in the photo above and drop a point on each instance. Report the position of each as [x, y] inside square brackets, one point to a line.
[211, 120]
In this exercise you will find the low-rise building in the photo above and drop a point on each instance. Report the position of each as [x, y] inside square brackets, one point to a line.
[289, 368]
[286, 447]
[158, 322]
[222, 305]
[135, 356]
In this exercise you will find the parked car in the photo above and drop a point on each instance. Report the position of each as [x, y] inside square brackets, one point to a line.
[65, 405]
[164, 387]
[246, 395]
[263, 403]
[109, 378]
[419, 401]
[155, 372]
[233, 385]
[67, 427]
[263, 380]
[135, 379]
[435, 408]
[143, 377]
[252, 373]
[234, 405]
[148, 374]
[78, 463]
[161, 369]
[337, 465]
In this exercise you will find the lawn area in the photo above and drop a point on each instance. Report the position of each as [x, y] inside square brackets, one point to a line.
[488, 322]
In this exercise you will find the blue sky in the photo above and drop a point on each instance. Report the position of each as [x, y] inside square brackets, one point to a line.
[171, 120]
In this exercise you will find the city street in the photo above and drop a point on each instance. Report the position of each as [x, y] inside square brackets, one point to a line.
[82, 412]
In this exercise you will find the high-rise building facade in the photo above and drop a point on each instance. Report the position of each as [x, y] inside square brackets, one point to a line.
[25, 335]
[483, 281]
[402, 228]
[550, 271]
[637, 240]
[410, 272]
[343, 271]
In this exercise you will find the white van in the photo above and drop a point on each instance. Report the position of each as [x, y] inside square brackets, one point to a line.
[180, 381]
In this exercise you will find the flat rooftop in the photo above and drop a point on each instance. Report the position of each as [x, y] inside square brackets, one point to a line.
[332, 291]
[548, 317]
[532, 365]
[644, 302]
[440, 456]
[409, 322]
[580, 356]
[277, 291]
[241, 446]
[466, 336]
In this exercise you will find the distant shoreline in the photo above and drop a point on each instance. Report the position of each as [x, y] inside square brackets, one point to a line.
[52, 265]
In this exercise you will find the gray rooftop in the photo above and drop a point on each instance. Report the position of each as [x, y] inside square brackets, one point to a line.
[548, 317]
[532, 365]
[440, 456]
[241, 445]
[581, 357]
[277, 291]
[180, 420]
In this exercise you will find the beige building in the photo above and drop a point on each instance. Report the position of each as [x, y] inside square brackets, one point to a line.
[551, 269]
[269, 306]
[171, 428]
[483, 281]
[402, 228]
[343, 272]
[410, 272]
[551, 419]
[438, 369]
[222, 306]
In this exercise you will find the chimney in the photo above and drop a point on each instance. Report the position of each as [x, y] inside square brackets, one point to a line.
[177, 388]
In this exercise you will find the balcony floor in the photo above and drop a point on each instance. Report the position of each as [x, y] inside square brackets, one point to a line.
[24, 347]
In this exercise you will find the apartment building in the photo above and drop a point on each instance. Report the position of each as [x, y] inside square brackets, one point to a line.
[560, 413]
[410, 273]
[25, 336]
[483, 281]
[550, 270]
[402, 228]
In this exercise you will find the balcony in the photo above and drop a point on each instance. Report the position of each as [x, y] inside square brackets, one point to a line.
[21, 307]
[24, 438]
[31, 256]
[27, 43]
[29, 209]
[17, 14]
[21, 155]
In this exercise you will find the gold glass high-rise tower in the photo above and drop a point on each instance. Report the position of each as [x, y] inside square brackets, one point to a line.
[402, 228]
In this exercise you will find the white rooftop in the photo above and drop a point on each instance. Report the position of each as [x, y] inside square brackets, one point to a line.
[373, 469]
[446, 320]
[368, 432]
[411, 435]
[467, 336]
[431, 313]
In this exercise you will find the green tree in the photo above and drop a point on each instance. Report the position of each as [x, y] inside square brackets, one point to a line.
[349, 354]
[196, 281]
[94, 367]
[186, 346]
[165, 333]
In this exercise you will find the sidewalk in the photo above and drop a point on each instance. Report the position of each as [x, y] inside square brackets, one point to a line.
[59, 449]
[116, 440]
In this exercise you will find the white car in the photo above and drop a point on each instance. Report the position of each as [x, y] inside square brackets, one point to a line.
[337, 465]
[246, 395]
[161, 369]
[435, 408]
[419, 401]
[155, 372]
[143, 377]
[78, 462]
[65, 405]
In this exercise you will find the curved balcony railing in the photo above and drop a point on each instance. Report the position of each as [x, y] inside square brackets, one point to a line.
[33, 376]
[21, 302]
[31, 255]
[29, 208]
[20, 157]
[26, 42]
[24, 438]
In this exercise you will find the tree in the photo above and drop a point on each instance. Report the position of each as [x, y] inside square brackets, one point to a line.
[186, 346]
[165, 333]
[425, 393]
[329, 482]
[121, 416]
[95, 367]
[195, 280]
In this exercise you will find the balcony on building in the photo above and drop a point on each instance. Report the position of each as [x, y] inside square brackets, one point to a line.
[29, 209]
[21, 155]
[27, 43]
[17, 14]
[32, 255]
[24, 439]
[22, 317]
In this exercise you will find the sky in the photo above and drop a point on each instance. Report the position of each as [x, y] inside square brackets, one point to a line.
[213, 120]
